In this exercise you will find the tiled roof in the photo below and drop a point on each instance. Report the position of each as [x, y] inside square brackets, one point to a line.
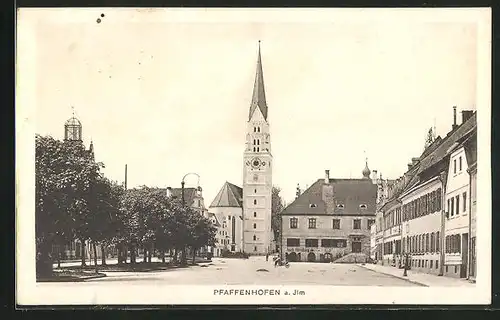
[351, 193]
[229, 195]
[189, 194]
[470, 146]
[442, 149]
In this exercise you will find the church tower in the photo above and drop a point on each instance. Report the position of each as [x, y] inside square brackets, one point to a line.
[257, 173]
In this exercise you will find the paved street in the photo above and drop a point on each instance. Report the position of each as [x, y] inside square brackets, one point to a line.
[244, 272]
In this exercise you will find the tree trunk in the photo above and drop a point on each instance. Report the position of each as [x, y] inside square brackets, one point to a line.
[162, 256]
[175, 255]
[132, 254]
[59, 256]
[83, 253]
[183, 256]
[94, 248]
[150, 253]
[119, 254]
[103, 255]
[145, 259]
[194, 254]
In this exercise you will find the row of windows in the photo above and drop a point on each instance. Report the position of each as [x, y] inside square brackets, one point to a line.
[454, 204]
[356, 223]
[393, 247]
[422, 243]
[313, 243]
[422, 206]
[256, 129]
[256, 149]
[452, 244]
[393, 218]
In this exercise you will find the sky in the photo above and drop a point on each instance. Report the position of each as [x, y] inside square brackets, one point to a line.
[168, 94]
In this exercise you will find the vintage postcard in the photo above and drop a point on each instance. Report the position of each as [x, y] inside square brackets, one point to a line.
[253, 156]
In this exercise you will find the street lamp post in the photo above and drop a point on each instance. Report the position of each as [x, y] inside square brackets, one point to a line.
[183, 183]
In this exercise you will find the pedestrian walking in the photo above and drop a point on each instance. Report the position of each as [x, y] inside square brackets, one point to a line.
[277, 262]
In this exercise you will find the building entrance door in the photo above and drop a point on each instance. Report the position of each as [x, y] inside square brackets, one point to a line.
[465, 254]
[311, 257]
[356, 246]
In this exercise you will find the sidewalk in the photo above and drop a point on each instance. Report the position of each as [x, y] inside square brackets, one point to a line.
[423, 279]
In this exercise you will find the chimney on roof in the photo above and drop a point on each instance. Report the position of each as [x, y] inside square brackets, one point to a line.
[415, 160]
[374, 176]
[454, 126]
[169, 192]
[327, 176]
[466, 114]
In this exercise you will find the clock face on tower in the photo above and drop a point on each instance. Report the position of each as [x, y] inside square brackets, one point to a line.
[256, 163]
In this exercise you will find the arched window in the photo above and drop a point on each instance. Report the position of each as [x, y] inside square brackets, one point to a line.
[258, 142]
[254, 129]
[255, 226]
[258, 129]
[255, 214]
[254, 142]
[254, 238]
[254, 201]
[257, 149]
[253, 149]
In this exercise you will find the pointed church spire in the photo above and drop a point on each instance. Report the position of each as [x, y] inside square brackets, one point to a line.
[259, 94]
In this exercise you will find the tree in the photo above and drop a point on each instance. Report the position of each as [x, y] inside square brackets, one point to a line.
[202, 232]
[64, 171]
[104, 205]
[277, 205]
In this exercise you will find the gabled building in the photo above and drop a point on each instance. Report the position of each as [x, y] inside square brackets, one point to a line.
[457, 201]
[228, 207]
[423, 203]
[330, 219]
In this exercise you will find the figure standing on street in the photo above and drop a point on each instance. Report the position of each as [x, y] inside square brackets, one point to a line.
[267, 256]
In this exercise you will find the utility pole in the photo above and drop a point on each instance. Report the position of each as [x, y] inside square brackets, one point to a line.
[125, 185]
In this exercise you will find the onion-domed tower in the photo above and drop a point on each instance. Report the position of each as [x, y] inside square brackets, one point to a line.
[366, 171]
[73, 129]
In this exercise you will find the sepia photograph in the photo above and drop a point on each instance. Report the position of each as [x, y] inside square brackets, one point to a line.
[253, 156]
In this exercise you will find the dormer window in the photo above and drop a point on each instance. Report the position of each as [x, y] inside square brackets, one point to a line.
[340, 206]
[312, 205]
[362, 206]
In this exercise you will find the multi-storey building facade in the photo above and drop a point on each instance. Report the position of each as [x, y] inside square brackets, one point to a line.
[421, 229]
[419, 206]
[332, 218]
[471, 151]
[424, 203]
[458, 219]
